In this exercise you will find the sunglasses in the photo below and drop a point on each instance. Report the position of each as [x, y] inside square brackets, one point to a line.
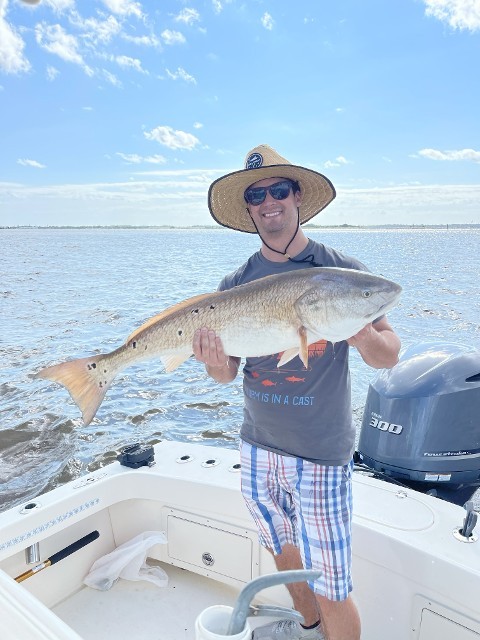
[279, 191]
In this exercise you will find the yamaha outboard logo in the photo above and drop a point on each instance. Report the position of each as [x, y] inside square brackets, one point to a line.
[377, 423]
[254, 161]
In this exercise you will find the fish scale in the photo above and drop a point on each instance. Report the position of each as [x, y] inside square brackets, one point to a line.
[279, 313]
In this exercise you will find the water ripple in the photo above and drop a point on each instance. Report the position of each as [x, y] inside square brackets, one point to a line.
[53, 310]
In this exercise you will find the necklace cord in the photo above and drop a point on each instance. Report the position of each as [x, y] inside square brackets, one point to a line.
[308, 259]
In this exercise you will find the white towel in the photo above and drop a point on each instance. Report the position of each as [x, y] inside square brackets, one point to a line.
[128, 561]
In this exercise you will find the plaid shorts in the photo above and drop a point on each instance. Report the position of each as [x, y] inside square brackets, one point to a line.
[308, 505]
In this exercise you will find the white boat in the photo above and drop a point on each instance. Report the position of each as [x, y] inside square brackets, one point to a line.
[415, 575]
[416, 558]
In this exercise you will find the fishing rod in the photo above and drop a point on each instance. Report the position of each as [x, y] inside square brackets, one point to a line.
[60, 555]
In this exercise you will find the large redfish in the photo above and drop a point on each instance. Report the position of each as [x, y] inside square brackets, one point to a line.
[279, 313]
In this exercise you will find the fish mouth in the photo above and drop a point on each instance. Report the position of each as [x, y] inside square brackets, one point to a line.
[386, 306]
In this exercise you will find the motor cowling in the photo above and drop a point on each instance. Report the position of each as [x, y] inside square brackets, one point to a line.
[421, 420]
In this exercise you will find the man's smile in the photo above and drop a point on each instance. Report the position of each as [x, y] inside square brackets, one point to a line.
[271, 214]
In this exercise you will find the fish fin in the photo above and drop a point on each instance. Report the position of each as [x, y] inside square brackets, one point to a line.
[173, 362]
[84, 382]
[288, 355]
[303, 350]
[175, 308]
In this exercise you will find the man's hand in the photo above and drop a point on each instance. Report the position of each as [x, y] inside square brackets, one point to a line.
[378, 344]
[208, 348]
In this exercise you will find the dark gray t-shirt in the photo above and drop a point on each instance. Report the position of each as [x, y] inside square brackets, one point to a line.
[291, 410]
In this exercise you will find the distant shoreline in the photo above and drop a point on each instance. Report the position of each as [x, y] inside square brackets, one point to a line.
[219, 228]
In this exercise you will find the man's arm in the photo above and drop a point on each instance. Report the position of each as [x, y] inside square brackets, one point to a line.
[208, 348]
[378, 344]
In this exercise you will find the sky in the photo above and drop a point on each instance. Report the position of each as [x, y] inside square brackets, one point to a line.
[118, 112]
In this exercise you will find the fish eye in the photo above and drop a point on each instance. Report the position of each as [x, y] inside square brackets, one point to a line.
[367, 293]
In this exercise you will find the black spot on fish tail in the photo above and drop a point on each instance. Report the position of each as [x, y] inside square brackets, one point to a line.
[134, 344]
[78, 377]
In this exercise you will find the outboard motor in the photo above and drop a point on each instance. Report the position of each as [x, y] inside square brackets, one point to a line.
[421, 423]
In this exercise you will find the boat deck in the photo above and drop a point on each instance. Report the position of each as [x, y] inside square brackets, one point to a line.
[144, 611]
[414, 578]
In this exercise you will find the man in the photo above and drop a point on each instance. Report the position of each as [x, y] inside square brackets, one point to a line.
[296, 445]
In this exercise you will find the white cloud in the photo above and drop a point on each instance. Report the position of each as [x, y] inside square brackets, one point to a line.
[52, 73]
[458, 14]
[197, 125]
[145, 41]
[133, 158]
[96, 31]
[267, 21]
[158, 200]
[172, 139]
[12, 59]
[31, 163]
[161, 198]
[172, 37]
[340, 160]
[54, 39]
[111, 78]
[462, 154]
[406, 204]
[181, 74]
[188, 16]
[60, 6]
[130, 63]
[124, 7]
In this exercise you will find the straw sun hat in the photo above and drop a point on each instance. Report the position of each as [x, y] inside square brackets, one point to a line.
[225, 196]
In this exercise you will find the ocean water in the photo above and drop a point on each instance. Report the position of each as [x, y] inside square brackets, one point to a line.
[68, 293]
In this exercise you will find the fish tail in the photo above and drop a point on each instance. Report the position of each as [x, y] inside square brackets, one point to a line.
[84, 379]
